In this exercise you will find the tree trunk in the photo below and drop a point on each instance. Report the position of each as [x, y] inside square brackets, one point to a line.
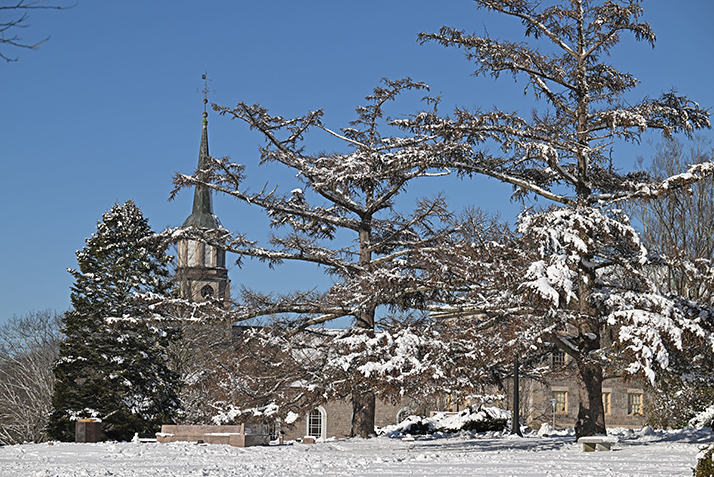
[591, 414]
[362, 414]
[363, 400]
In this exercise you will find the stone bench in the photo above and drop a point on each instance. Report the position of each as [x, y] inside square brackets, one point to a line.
[600, 443]
[139, 440]
[238, 436]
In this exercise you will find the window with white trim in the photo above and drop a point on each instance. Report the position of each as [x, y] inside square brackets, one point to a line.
[316, 422]
[403, 413]
[561, 401]
[274, 429]
[606, 402]
[634, 403]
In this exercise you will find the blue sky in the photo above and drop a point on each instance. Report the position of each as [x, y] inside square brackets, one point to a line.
[108, 109]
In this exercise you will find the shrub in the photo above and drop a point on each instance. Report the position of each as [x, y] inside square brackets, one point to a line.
[705, 466]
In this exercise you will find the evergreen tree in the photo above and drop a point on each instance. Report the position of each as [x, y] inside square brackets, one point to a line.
[111, 364]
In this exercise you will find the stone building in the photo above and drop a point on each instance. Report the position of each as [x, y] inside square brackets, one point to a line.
[539, 402]
[623, 401]
[333, 419]
[557, 396]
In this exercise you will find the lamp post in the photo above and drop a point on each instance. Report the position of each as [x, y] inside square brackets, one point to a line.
[553, 403]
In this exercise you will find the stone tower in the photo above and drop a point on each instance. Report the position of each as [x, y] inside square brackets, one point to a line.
[201, 269]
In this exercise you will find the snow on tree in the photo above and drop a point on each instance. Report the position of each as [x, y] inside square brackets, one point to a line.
[111, 364]
[351, 194]
[678, 229]
[585, 289]
[275, 372]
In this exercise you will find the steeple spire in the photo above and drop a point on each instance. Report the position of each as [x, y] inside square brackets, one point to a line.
[202, 214]
[201, 271]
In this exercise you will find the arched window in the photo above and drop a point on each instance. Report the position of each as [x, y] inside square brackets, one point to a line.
[403, 413]
[207, 291]
[317, 422]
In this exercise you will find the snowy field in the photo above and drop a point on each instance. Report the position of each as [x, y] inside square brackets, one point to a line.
[649, 453]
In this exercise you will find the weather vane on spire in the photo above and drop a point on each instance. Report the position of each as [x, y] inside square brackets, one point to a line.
[205, 92]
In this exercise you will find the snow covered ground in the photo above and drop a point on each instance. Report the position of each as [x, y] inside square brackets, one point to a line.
[640, 453]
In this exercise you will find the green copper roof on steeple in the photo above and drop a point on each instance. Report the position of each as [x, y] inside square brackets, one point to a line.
[202, 215]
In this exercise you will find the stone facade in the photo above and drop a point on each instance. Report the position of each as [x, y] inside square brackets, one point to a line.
[337, 417]
[623, 401]
[201, 272]
[237, 436]
[623, 410]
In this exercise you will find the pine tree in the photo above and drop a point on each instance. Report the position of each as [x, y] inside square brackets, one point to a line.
[110, 364]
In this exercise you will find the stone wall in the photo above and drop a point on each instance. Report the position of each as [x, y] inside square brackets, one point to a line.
[540, 407]
[338, 415]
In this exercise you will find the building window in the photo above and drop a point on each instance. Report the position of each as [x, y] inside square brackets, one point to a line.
[207, 292]
[606, 402]
[558, 358]
[634, 403]
[316, 422]
[561, 401]
[403, 413]
[191, 253]
[208, 252]
[274, 430]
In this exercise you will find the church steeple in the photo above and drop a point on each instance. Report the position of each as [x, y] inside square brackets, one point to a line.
[201, 271]
[202, 214]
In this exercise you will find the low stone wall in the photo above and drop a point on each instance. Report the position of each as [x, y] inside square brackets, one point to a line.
[238, 436]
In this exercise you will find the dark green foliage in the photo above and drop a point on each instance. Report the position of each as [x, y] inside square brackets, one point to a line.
[481, 421]
[111, 364]
[705, 466]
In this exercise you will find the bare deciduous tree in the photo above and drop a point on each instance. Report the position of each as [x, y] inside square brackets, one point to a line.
[680, 226]
[679, 229]
[29, 346]
[19, 16]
